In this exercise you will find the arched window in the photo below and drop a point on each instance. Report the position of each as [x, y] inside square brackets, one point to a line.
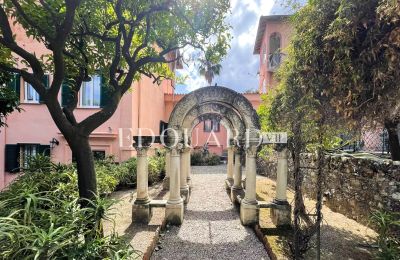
[274, 50]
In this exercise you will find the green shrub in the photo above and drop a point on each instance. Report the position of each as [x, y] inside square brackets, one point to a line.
[212, 160]
[40, 218]
[201, 159]
[388, 243]
[156, 166]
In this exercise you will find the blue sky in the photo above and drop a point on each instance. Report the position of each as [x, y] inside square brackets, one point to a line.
[240, 66]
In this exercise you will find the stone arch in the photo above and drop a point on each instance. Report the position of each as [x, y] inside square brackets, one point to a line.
[230, 117]
[219, 100]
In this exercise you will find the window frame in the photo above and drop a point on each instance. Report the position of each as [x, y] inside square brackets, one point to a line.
[36, 99]
[92, 92]
[23, 163]
[214, 126]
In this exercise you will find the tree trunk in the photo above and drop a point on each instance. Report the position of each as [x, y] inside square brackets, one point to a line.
[394, 144]
[82, 152]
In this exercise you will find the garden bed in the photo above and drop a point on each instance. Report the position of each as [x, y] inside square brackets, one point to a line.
[341, 237]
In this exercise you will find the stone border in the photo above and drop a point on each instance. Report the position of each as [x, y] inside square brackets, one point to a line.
[149, 252]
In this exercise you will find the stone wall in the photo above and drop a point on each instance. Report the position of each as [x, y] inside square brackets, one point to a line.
[353, 186]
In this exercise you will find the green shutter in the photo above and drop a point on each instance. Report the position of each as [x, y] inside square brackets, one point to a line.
[67, 95]
[46, 85]
[15, 84]
[104, 92]
[12, 158]
[44, 150]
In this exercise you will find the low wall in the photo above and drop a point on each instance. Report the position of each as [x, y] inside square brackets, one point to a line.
[352, 186]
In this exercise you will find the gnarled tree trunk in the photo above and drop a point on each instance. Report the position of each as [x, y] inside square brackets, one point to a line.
[394, 144]
[85, 166]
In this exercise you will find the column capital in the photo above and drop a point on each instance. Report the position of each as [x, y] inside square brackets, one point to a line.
[176, 150]
[141, 150]
[283, 153]
[252, 151]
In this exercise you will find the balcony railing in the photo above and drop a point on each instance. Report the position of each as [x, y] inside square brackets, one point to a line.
[274, 60]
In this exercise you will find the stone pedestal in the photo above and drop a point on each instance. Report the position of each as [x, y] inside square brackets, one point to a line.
[282, 215]
[174, 213]
[184, 187]
[141, 213]
[248, 213]
[174, 207]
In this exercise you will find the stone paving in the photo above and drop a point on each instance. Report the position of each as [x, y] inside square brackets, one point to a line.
[211, 227]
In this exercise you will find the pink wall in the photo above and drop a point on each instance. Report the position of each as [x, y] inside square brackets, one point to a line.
[285, 31]
[143, 106]
[217, 141]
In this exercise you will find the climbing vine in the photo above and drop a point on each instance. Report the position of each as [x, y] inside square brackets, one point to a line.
[341, 74]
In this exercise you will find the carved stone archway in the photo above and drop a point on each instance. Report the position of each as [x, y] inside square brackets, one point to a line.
[238, 114]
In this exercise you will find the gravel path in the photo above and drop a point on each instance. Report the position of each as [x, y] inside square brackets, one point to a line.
[211, 229]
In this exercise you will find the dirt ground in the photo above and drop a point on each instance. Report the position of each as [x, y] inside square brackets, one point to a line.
[341, 237]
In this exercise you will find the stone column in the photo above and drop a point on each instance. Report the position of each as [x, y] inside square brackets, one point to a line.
[184, 187]
[281, 216]
[141, 211]
[230, 166]
[167, 169]
[189, 169]
[174, 207]
[249, 205]
[237, 187]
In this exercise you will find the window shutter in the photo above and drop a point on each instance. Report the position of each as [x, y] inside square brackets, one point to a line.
[67, 96]
[12, 158]
[46, 85]
[44, 150]
[15, 84]
[104, 92]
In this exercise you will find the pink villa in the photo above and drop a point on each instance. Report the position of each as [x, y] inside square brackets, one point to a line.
[273, 37]
[147, 106]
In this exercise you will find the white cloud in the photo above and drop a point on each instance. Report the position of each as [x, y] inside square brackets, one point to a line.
[240, 66]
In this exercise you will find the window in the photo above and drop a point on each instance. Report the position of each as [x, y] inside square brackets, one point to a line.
[207, 126]
[27, 151]
[90, 92]
[211, 125]
[99, 155]
[31, 96]
[274, 51]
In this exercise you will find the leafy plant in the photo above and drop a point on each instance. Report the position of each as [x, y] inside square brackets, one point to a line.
[201, 159]
[41, 216]
[388, 243]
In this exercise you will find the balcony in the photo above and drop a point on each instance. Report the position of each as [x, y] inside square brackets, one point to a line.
[274, 61]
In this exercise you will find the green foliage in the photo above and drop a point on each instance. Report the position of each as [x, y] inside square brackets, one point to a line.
[8, 101]
[201, 159]
[389, 244]
[41, 218]
[156, 166]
